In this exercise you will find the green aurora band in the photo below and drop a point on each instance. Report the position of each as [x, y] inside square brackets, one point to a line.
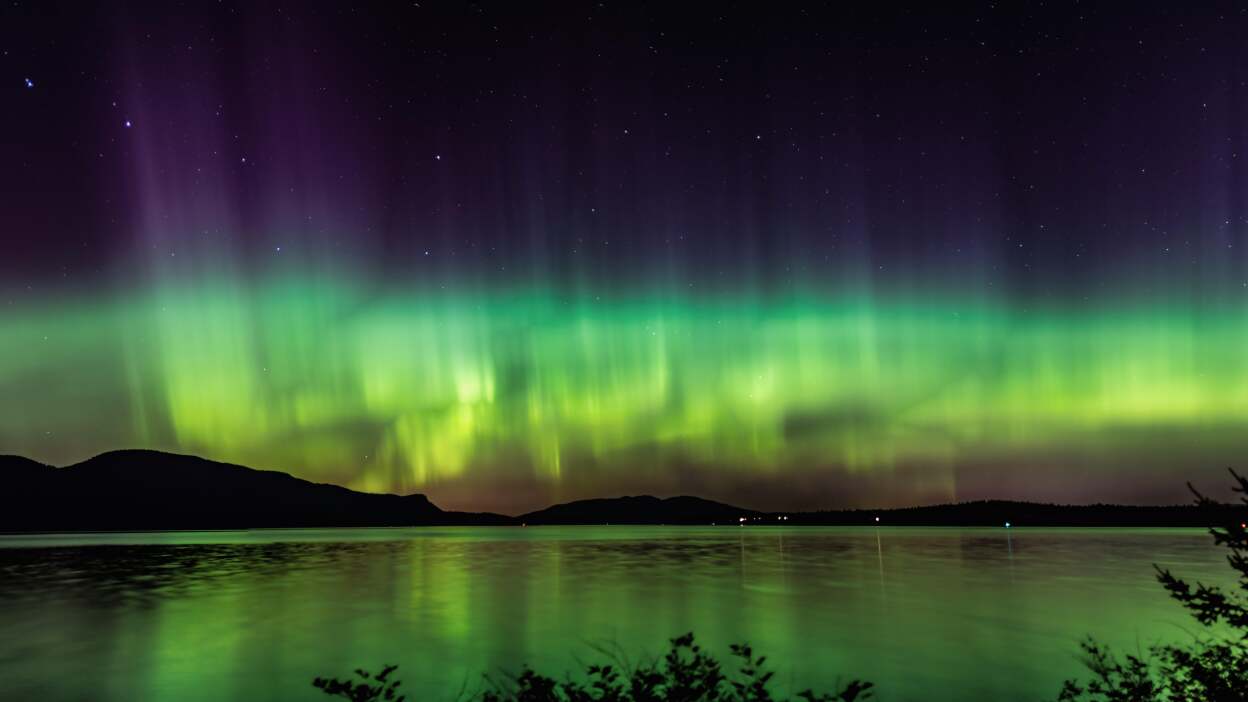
[511, 398]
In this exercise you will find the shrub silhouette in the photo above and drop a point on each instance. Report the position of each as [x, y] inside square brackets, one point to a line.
[1213, 667]
[685, 674]
[366, 687]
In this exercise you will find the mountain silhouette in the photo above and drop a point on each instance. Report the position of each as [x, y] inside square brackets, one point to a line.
[642, 509]
[142, 490]
[999, 513]
[152, 490]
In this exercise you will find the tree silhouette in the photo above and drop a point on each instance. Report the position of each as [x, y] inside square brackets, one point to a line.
[366, 687]
[685, 674]
[1213, 667]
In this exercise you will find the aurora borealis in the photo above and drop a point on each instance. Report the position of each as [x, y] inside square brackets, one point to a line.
[463, 251]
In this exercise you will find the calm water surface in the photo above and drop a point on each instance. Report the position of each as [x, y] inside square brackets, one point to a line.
[931, 614]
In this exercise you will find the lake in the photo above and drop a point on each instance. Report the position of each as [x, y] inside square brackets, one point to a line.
[930, 614]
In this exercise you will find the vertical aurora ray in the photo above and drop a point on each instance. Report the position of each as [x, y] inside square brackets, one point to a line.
[551, 268]
[428, 390]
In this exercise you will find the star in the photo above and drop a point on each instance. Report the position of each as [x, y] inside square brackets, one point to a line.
[127, 124]
[30, 83]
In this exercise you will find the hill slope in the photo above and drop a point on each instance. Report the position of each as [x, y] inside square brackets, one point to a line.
[155, 490]
[643, 509]
[151, 490]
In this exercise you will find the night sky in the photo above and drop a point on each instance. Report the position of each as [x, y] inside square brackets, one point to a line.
[783, 255]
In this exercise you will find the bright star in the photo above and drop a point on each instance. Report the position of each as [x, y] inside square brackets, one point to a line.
[127, 124]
